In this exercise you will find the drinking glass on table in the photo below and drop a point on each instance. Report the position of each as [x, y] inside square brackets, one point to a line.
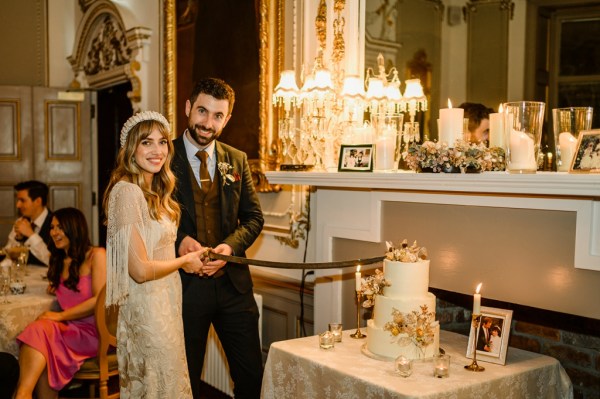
[4, 283]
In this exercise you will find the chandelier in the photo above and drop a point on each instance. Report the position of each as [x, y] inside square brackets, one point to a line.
[330, 105]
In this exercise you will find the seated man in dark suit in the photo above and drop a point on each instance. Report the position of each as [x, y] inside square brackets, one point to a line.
[32, 228]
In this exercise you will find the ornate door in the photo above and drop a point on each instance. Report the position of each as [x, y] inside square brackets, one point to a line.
[48, 138]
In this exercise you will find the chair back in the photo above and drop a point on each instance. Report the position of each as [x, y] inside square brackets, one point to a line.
[106, 323]
[97, 371]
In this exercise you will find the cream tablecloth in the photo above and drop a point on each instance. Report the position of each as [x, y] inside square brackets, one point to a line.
[24, 309]
[298, 368]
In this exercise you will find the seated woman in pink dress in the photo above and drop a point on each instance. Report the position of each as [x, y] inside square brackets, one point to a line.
[55, 345]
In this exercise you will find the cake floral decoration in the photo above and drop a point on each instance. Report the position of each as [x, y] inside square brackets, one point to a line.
[404, 253]
[371, 286]
[415, 327]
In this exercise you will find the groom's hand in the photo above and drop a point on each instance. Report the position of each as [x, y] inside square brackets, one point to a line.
[188, 244]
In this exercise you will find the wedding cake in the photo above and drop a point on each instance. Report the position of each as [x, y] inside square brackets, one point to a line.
[403, 320]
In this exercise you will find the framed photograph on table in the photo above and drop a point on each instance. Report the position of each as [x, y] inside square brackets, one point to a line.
[356, 158]
[587, 152]
[492, 335]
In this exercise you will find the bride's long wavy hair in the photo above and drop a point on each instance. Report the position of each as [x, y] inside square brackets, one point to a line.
[159, 194]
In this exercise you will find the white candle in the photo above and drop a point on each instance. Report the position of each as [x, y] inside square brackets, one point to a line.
[522, 153]
[357, 277]
[385, 147]
[477, 301]
[567, 143]
[451, 124]
[363, 135]
[497, 129]
[441, 372]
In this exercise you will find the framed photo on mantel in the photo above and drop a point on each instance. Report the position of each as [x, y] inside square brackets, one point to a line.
[491, 336]
[587, 152]
[356, 158]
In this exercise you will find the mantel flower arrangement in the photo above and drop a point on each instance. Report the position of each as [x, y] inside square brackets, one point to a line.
[463, 157]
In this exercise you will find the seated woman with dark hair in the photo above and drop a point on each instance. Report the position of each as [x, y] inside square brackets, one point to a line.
[54, 346]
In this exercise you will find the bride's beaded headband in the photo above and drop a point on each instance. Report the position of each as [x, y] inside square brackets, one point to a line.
[140, 117]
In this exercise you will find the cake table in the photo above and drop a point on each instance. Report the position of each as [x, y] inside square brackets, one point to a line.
[298, 368]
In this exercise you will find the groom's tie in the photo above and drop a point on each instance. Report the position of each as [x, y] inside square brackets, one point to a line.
[205, 181]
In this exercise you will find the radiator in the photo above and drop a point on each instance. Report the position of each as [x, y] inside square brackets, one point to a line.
[216, 371]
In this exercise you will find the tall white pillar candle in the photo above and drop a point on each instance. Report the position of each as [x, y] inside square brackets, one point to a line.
[363, 135]
[567, 143]
[522, 153]
[451, 124]
[357, 278]
[477, 301]
[497, 130]
[385, 147]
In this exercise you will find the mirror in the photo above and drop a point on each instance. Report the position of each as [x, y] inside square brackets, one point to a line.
[471, 52]
[247, 58]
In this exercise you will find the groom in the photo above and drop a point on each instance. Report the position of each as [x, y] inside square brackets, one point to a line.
[219, 210]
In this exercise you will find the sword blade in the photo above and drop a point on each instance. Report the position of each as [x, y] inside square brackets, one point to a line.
[290, 265]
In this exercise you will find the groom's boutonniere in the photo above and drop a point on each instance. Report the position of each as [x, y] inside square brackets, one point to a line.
[228, 175]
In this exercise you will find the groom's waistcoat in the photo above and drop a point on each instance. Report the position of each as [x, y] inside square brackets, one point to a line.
[208, 213]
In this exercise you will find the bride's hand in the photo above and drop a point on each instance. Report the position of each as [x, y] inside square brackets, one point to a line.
[193, 262]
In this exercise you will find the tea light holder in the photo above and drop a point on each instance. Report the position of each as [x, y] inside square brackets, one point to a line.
[326, 340]
[441, 366]
[403, 366]
[474, 366]
[358, 334]
[336, 330]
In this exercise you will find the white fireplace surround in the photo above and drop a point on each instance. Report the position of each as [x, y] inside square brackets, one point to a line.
[349, 206]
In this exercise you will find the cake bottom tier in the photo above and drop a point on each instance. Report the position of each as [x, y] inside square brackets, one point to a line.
[382, 343]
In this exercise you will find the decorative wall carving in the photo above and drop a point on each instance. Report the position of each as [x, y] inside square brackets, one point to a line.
[105, 53]
[108, 49]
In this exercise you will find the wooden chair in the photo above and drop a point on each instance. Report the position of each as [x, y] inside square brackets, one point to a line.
[97, 370]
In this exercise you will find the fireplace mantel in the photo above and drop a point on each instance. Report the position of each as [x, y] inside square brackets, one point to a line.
[550, 184]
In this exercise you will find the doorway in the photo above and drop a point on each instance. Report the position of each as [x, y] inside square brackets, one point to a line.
[114, 108]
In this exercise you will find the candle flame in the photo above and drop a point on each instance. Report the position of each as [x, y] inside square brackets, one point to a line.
[500, 109]
[358, 268]
[478, 288]
[449, 103]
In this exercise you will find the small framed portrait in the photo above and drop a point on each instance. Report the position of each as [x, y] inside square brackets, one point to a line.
[491, 338]
[587, 152]
[356, 158]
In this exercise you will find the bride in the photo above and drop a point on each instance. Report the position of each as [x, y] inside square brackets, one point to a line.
[142, 275]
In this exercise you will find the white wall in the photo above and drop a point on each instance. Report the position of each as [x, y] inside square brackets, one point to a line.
[62, 25]
[453, 83]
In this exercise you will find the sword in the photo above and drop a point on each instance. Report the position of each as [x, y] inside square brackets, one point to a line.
[291, 265]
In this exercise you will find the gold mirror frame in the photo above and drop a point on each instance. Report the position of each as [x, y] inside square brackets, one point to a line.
[271, 35]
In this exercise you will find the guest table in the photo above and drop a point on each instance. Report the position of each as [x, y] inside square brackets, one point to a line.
[298, 368]
[23, 309]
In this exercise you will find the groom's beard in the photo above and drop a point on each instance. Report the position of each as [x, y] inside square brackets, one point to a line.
[200, 139]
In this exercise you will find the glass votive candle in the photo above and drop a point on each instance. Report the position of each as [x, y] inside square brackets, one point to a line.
[403, 366]
[336, 330]
[326, 340]
[441, 366]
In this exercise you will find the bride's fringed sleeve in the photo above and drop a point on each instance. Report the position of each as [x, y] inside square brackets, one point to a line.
[125, 213]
